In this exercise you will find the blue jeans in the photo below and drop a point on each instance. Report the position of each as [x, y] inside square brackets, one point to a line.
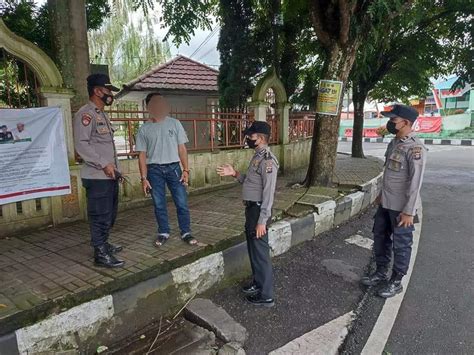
[160, 175]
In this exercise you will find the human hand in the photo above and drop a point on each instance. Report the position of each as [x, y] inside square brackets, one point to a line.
[146, 187]
[261, 230]
[226, 170]
[405, 220]
[109, 171]
[184, 178]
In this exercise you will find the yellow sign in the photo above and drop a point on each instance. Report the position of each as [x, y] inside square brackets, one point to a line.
[329, 97]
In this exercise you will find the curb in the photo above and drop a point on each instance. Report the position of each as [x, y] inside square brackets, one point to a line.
[426, 141]
[82, 328]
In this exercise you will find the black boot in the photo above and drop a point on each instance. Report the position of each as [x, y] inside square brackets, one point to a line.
[393, 288]
[374, 279]
[114, 249]
[103, 257]
[251, 289]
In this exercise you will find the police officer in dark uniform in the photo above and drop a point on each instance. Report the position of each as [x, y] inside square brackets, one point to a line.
[94, 142]
[405, 161]
[5, 135]
[258, 192]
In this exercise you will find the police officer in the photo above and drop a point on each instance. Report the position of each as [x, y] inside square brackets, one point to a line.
[94, 142]
[258, 192]
[405, 160]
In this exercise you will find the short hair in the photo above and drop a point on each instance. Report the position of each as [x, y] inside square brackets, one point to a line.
[150, 96]
[90, 90]
[3, 126]
[265, 137]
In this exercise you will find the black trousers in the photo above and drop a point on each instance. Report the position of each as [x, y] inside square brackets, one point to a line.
[102, 205]
[259, 252]
[387, 237]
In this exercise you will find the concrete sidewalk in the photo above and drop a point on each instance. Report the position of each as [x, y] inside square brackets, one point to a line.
[52, 270]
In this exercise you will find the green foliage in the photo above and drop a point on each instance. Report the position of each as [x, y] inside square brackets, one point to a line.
[239, 53]
[30, 21]
[127, 43]
[182, 17]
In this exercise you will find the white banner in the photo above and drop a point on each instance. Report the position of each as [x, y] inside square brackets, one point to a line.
[33, 155]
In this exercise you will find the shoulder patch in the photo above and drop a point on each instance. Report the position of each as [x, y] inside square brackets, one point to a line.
[86, 119]
[269, 166]
[417, 152]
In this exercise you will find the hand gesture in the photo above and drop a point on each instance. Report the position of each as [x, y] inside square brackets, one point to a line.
[226, 170]
[146, 187]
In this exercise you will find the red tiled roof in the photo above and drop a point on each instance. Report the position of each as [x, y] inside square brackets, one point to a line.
[180, 73]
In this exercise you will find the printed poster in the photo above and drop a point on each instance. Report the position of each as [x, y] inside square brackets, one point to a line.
[33, 153]
[329, 97]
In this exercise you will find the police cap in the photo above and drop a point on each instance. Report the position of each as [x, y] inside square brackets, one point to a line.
[102, 80]
[258, 127]
[402, 111]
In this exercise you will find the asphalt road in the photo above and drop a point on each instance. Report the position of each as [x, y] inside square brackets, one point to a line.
[437, 314]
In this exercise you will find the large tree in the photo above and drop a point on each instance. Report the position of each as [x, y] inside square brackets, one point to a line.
[341, 27]
[399, 59]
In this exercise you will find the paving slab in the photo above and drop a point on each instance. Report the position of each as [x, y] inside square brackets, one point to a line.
[207, 314]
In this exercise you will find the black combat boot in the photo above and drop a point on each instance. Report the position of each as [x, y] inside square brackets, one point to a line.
[114, 249]
[374, 279]
[393, 288]
[104, 258]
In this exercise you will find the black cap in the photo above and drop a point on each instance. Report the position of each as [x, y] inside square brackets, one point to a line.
[402, 111]
[101, 80]
[258, 127]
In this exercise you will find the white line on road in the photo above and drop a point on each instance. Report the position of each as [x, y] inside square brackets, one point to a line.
[324, 340]
[360, 241]
[383, 327]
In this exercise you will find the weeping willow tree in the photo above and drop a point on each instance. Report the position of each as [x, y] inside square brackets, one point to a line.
[127, 42]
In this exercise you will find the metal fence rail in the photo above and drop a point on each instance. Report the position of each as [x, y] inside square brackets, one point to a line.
[301, 125]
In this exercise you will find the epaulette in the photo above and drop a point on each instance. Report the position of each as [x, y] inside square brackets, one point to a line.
[268, 155]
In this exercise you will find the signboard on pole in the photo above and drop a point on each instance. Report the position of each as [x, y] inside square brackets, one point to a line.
[33, 154]
[329, 97]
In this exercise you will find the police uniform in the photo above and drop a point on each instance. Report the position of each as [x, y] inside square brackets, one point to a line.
[94, 142]
[6, 137]
[258, 193]
[405, 160]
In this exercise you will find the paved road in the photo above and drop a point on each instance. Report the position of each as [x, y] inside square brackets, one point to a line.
[437, 314]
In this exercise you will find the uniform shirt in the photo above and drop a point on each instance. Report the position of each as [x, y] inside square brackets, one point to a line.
[6, 137]
[160, 141]
[94, 141]
[260, 181]
[405, 161]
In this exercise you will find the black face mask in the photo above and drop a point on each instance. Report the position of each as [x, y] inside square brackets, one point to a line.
[107, 99]
[391, 127]
[252, 143]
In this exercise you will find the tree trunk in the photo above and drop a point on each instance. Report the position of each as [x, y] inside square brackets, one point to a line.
[69, 36]
[357, 133]
[326, 127]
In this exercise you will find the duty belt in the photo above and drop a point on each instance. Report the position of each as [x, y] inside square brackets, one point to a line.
[252, 203]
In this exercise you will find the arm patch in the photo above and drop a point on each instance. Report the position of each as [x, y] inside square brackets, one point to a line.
[417, 153]
[86, 119]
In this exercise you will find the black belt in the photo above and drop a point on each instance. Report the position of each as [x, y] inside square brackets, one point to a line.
[252, 203]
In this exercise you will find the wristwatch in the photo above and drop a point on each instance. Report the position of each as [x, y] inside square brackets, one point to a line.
[186, 171]
[143, 178]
